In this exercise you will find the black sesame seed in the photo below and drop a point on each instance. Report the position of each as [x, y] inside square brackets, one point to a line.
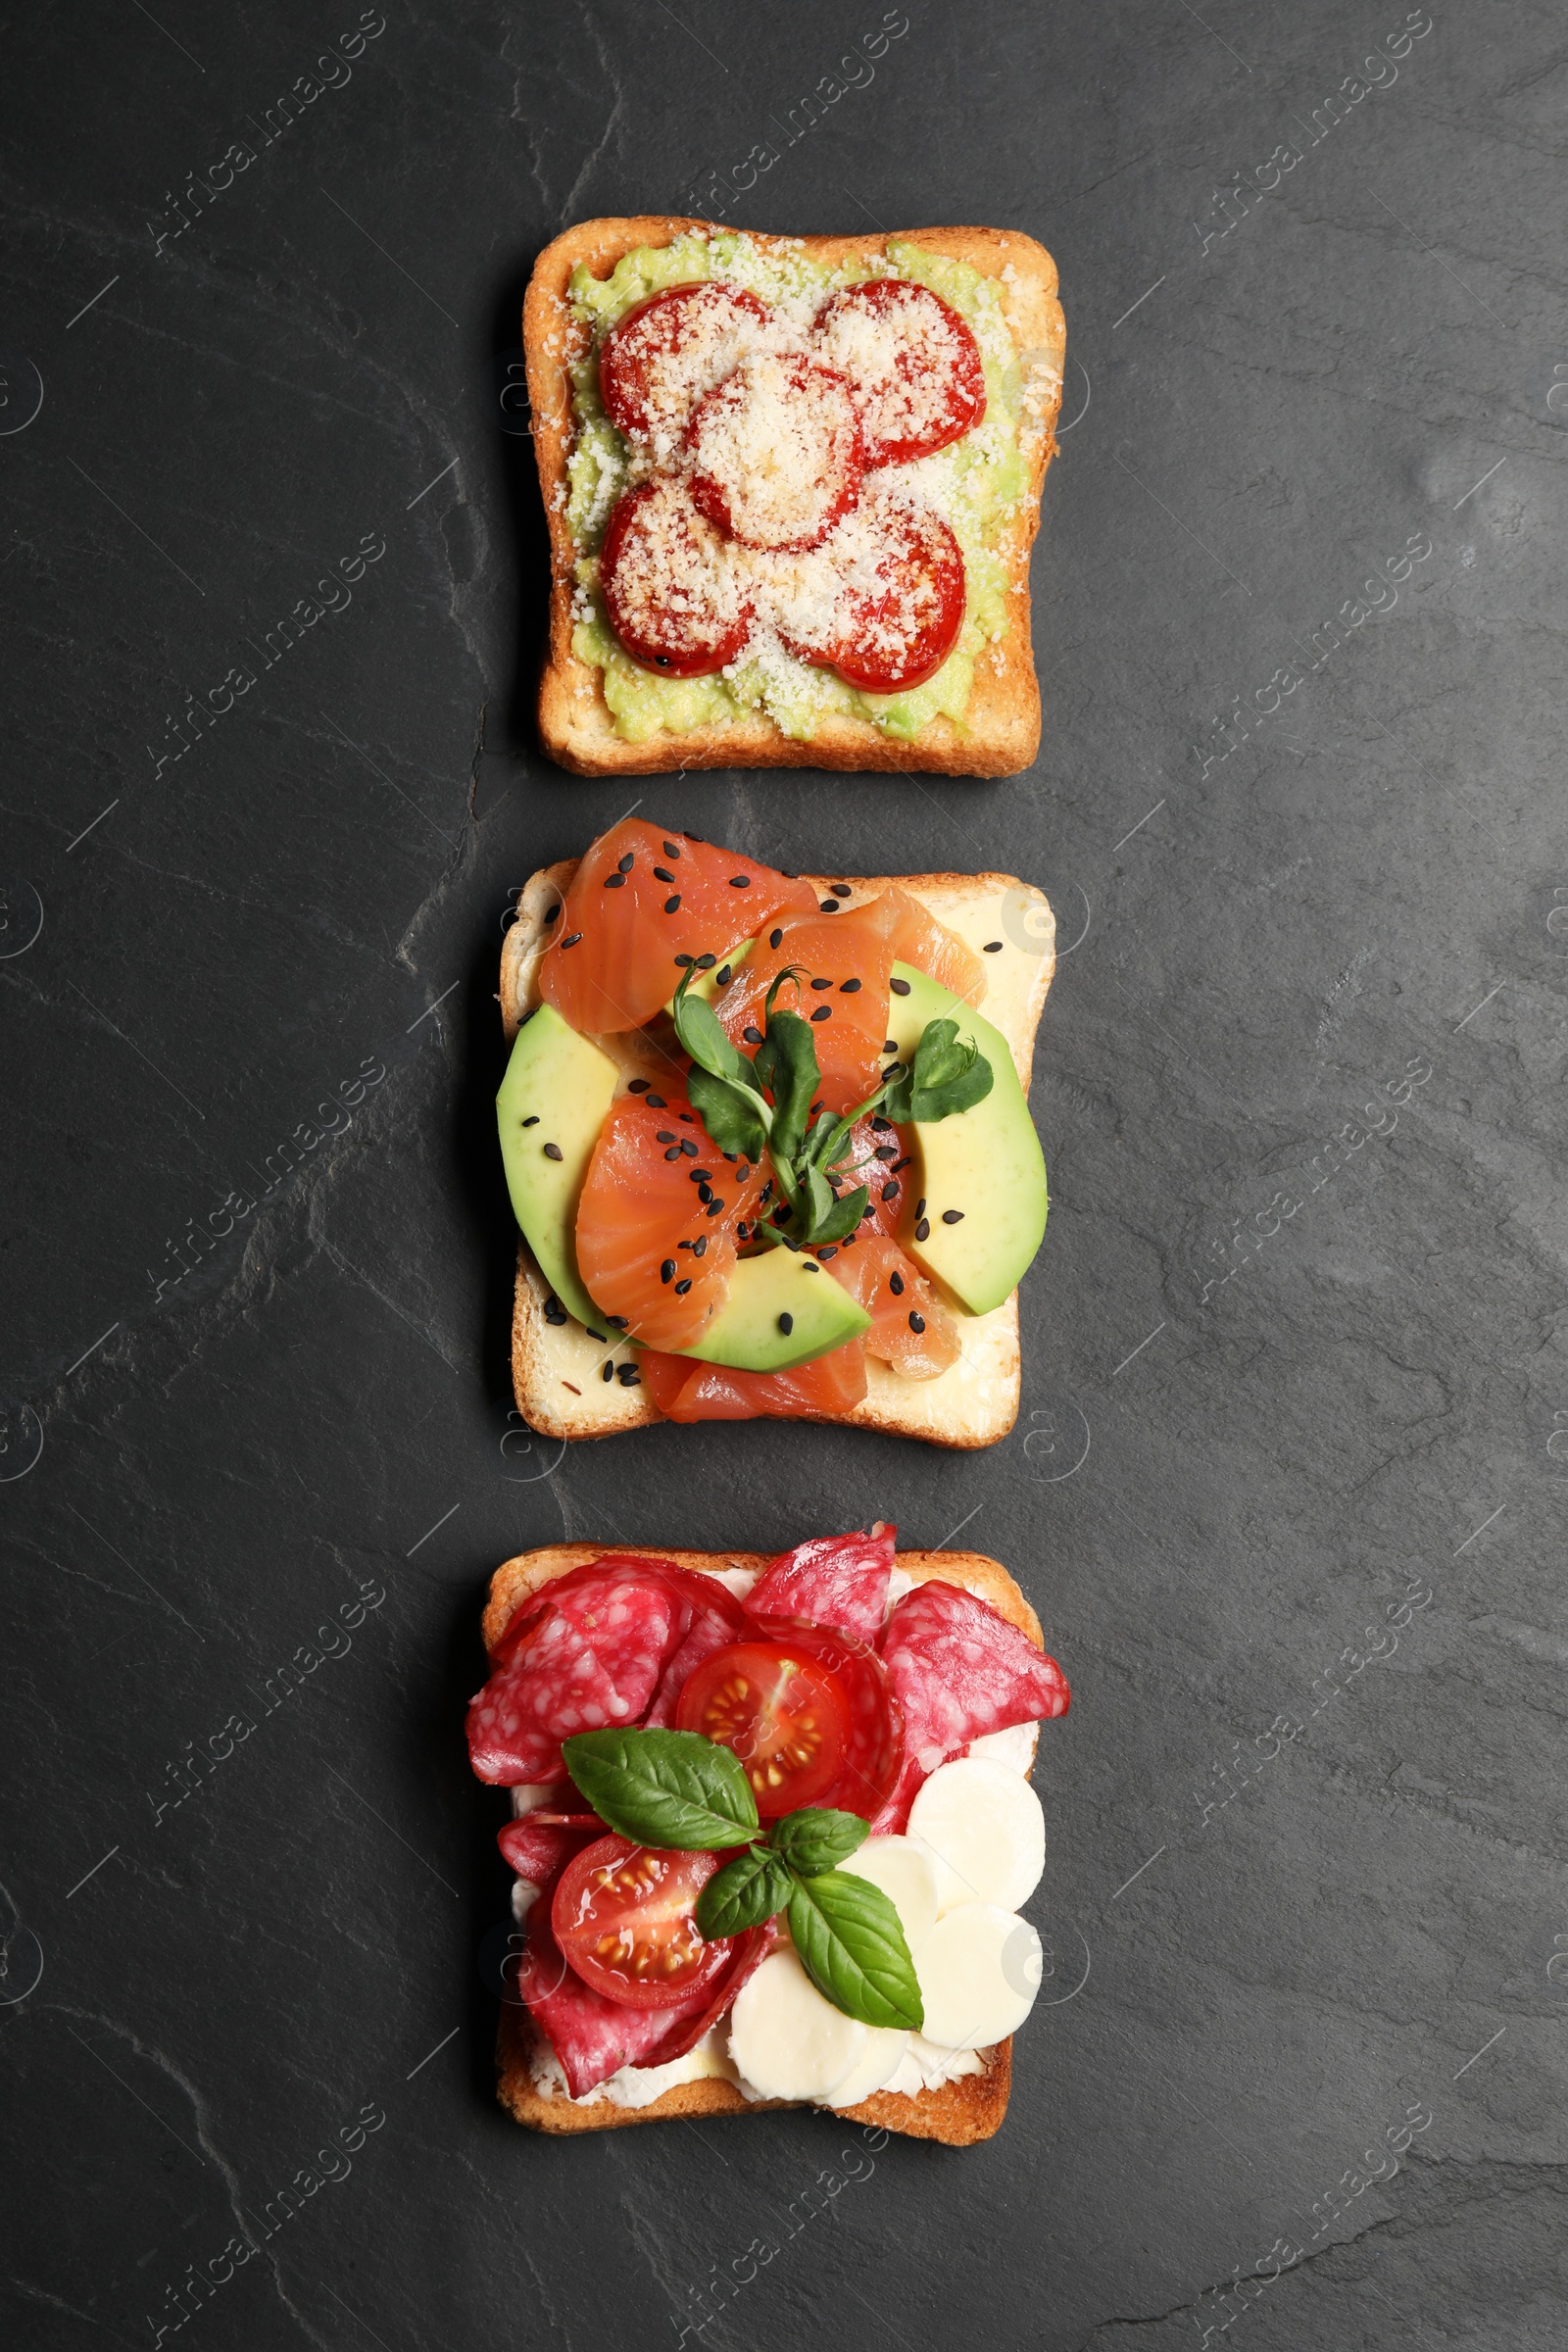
[551, 914]
[657, 1102]
[714, 1206]
[607, 1372]
[881, 1126]
[683, 962]
[553, 1151]
[823, 1012]
[672, 904]
[594, 1335]
[618, 1321]
[681, 1288]
[532, 1122]
[674, 1153]
[952, 1216]
[831, 1251]
[742, 1171]
[917, 1322]
[740, 881]
[849, 988]
[637, 1086]
[614, 881]
[700, 1245]
[896, 1285]
[666, 1272]
[662, 873]
[919, 1208]
[786, 1324]
[670, 850]
[705, 964]
[819, 985]
[572, 939]
[555, 1313]
[840, 888]
[899, 1165]
[830, 906]
[890, 1045]
[685, 1118]
[743, 1232]
[922, 1232]
[688, 1146]
[808, 1265]
[815, 1107]
[704, 1192]
[993, 947]
[900, 988]
[665, 1135]
[889, 1194]
[629, 1375]
[627, 862]
[765, 1195]
[886, 1152]
[753, 1036]
[722, 976]
[775, 938]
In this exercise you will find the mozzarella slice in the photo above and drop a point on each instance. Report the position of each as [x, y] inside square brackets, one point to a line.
[986, 1832]
[979, 1972]
[786, 2039]
[885, 2046]
[906, 1872]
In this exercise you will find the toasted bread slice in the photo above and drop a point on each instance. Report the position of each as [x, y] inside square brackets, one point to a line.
[958, 2113]
[1000, 733]
[557, 1368]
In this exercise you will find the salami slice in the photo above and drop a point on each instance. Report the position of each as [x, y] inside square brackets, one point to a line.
[751, 1950]
[839, 1580]
[592, 1657]
[958, 1670]
[592, 2036]
[537, 1848]
[716, 1618]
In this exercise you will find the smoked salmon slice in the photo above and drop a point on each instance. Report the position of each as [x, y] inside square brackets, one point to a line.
[661, 1219]
[826, 1388]
[641, 899]
[845, 962]
[910, 1328]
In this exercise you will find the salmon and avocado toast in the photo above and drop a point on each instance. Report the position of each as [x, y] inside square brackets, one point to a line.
[768, 1155]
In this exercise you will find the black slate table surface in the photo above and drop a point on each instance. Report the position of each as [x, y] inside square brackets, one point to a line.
[1289, 1482]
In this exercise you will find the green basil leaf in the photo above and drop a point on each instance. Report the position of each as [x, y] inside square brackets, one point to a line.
[852, 1946]
[819, 1838]
[665, 1789]
[787, 1064]
[843, 1217]
[732, 1117]
[744, 1894]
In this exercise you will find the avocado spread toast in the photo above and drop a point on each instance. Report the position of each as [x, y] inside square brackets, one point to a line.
[791, 486]
[767, 1139]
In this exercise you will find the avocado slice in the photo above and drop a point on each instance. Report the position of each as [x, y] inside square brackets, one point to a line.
[562, 1086]
[705, 983]
[746, 1332]
[985, 1162]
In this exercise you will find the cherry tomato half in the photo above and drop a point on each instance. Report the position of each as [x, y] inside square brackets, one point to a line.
[622, 1916]
[665, 353]
[783, 1710]
[673, 599]
[873, 1751]
[915, 366]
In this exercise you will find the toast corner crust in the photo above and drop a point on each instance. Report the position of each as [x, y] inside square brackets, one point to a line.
[960, 2112]
[1000, 733]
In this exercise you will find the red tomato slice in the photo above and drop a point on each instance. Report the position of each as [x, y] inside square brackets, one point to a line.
[623, 1915]
[886, 602]
[782, 1710]
[675, 600]
[915, 366]
[667, 352]
[873, 1747]
[642, 901]
[776, 452]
